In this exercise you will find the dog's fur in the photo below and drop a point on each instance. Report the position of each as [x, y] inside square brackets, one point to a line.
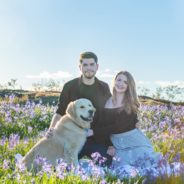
[68, 138]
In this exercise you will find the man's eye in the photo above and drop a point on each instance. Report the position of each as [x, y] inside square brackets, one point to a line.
[82, 107]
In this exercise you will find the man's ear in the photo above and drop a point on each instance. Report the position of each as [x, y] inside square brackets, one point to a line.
[71, 109]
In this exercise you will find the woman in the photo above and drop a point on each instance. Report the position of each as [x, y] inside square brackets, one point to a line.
[119, 123]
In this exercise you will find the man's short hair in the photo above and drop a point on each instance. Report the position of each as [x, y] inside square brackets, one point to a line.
[87, 55]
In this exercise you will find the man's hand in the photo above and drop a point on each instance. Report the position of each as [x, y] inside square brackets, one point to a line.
[49, 133]
[111, 151]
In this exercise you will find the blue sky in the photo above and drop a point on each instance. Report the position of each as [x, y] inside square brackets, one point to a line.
[42, 39]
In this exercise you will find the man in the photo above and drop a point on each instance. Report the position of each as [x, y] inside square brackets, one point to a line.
[86, 86]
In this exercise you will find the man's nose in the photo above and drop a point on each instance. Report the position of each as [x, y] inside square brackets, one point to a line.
[88, 67]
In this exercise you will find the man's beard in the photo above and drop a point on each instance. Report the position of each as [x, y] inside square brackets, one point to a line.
[92, 74]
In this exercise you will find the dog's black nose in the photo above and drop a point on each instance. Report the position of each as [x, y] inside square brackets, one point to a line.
[90, 112]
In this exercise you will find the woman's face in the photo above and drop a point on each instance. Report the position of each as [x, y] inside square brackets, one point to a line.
[121, 84]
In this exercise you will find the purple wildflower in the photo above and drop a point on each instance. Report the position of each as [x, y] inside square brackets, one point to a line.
[6, 164]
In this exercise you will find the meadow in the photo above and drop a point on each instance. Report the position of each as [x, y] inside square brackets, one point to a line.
[22, 124]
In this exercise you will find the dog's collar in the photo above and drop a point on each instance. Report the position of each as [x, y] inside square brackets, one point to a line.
[86, 129]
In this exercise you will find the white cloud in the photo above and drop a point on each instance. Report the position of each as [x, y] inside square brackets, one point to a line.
[168, 83]
[47, 75]
[107, 73]
[143, 82]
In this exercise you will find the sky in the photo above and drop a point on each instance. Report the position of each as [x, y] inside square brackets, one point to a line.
[42, 40]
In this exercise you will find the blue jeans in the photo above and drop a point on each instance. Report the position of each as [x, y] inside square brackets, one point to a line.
[91, 147]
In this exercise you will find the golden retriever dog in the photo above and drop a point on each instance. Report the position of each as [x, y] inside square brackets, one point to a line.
[69, 136]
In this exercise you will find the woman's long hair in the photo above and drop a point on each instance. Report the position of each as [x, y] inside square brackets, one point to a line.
[130, 102]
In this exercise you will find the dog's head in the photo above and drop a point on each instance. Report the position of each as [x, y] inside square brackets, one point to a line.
[81, 111]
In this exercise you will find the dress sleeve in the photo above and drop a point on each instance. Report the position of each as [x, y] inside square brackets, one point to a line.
[63, 100]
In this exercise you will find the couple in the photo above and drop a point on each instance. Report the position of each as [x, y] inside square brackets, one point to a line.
[113, 131]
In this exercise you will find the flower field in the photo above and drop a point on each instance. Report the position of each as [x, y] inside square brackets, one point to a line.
[22, 124]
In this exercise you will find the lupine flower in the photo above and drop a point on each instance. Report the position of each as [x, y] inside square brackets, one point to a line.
[13, 140]
[162, 124]
[6, 164]
[3, 140]
[177, 157]
[21, 167]
[40, 160]
[96, 156]
[61, 166]
[103, 182]
[47, 168]
[84, 177]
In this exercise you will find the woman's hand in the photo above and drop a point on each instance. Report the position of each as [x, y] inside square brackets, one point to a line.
[111, 151]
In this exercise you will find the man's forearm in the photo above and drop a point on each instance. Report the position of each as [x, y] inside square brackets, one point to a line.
[55, 119]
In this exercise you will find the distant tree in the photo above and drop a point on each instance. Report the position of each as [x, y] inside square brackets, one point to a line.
[49, 85]
[171, 92]
[143, 91]
[158, 93]
[37, 86]
[53, 85]
[1, 86]
[12, 83]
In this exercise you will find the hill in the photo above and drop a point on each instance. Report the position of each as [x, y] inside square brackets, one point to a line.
[51, 97]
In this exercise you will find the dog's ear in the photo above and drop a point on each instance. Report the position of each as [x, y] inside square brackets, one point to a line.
[71, 109]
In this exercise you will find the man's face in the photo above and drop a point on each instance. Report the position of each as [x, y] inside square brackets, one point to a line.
[88, 68]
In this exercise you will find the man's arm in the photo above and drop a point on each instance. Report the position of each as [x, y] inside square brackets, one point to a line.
[55, 119]
[62, 105]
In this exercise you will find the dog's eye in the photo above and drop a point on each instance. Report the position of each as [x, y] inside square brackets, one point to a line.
[89, 105]
[82, 107]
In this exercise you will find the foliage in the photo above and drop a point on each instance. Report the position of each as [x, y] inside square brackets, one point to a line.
[170, 92]
[49, 85]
